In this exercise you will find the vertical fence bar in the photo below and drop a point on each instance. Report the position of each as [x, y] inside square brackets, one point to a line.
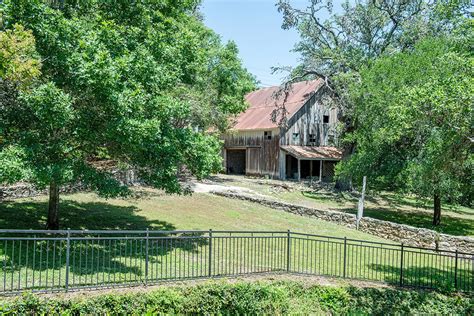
[210, 253]
[255, 253]
[288, 250]
[68, 252]
[146, 255]
[456, 270]
[401, 265]
[345, 258]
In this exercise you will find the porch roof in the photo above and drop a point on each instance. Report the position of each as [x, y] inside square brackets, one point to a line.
[314, 152]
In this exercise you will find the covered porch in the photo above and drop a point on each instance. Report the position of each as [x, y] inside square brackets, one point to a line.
[309, 162]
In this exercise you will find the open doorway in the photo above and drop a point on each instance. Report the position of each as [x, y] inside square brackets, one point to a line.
[308, 168]
[308, 171]
[236, 160]
[291, 167]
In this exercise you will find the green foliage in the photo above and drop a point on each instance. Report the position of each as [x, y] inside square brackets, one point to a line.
[141, 84]
[338, 43]
[12, 168]
[264, 297]
[19, 61]
[414, 122]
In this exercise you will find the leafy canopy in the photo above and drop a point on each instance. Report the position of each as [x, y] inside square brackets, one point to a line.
[336, 44]
[139, 84]
[414, 119]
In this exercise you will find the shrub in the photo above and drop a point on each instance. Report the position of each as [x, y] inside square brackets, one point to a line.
[244, 297]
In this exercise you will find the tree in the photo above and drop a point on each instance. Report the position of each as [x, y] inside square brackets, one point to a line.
[19, 69]
[336, 45]
[414, 120]
[121, 82]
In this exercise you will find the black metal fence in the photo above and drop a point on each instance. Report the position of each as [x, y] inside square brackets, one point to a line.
[71, 259]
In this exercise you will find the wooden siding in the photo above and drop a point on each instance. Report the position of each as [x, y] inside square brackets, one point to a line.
[328, 170]
[309, 120]
[262, 156]
[265, 157]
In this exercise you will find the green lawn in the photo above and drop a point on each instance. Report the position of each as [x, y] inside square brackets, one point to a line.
[41, 263]
[151, 208]
[455, 220]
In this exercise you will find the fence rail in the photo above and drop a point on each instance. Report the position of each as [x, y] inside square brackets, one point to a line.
[47, 261]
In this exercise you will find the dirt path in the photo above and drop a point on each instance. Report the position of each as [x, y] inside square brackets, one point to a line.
[200, 187]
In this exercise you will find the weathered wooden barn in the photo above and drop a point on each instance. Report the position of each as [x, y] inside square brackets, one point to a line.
[303, 148]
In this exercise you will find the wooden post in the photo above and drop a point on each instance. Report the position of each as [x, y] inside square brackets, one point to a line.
[320, 171]
[360, 209]
[224, 160]
[299, 170]
[311, 171]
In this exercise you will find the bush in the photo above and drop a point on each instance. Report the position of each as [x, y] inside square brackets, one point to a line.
[261, 297]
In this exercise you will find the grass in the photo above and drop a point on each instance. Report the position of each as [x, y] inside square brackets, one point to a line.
[41, 263]
[151, 208]
[455, 220]
[262, 297]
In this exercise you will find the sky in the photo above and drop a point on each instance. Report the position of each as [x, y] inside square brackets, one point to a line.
[255, 25]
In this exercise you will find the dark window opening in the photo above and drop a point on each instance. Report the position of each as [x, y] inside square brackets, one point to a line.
[312, 138]
[325, 118]
[267, 135]
[295, 136]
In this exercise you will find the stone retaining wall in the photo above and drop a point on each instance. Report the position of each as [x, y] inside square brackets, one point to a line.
[409, 235]
[23, 190]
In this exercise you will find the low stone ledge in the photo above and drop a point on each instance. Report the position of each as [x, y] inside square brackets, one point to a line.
[25, 190]
[409, 235]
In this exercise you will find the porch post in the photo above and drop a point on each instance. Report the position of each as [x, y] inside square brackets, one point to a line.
[224, 160]
[299, 170]
[311, 171]
[321, 170]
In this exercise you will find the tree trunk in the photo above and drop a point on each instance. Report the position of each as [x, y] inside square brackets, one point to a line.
[53, 207]
[437, 210]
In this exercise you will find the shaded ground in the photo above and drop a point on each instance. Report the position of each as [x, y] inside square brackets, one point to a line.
[385, 206]
[154, 209]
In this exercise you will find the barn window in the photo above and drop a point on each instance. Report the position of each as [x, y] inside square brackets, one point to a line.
[325, 118]
[312, 138]
[296, 136]
[267, 135]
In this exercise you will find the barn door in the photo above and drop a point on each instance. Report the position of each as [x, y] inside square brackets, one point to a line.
[253, 161]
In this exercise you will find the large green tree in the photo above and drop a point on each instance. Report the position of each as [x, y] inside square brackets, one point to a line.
[414, 116]
[138, 83]
[336, 43]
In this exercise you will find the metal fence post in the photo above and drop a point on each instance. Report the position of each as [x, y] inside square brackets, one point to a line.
[288, 251]
[146, 256]
[68, 251]
[210, 253]
[456, 271]
[401, 266]
[345, 257]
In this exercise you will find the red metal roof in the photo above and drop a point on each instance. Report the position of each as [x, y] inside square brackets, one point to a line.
[310, 152]
[263, 102]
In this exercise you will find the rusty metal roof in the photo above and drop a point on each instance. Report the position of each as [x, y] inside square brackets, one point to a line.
[263, 102]
[313, 152]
